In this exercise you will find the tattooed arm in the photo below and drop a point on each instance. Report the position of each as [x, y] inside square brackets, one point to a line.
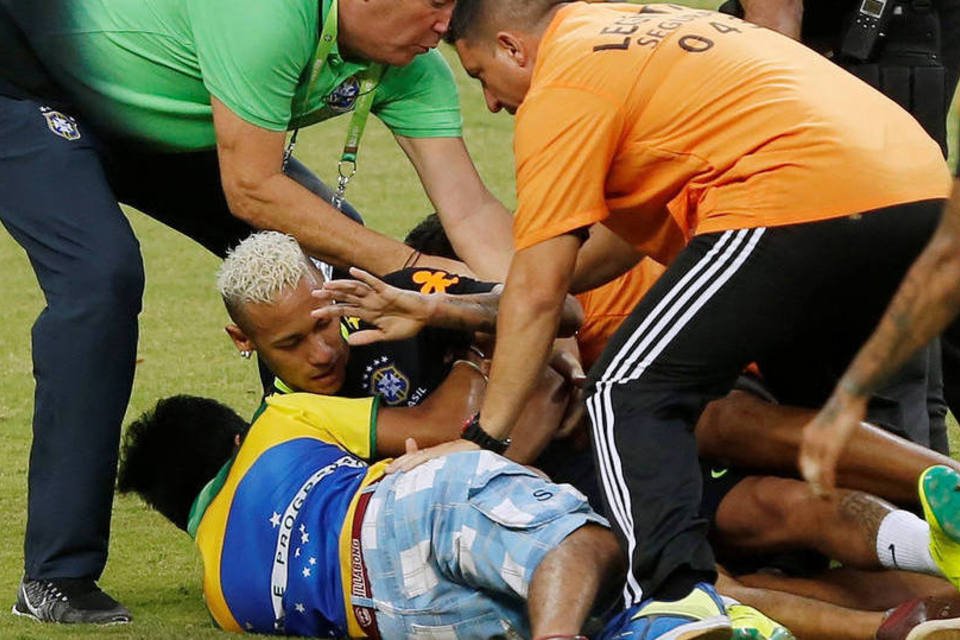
[928, 299]
[399, 313]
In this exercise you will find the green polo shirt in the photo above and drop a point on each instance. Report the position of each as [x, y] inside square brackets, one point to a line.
[144, 70]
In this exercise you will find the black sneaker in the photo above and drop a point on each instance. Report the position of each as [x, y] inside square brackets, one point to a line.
[68, 600]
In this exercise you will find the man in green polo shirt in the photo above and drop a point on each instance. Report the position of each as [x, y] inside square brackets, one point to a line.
[181, 108]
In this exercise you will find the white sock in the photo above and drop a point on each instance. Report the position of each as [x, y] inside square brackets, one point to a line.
[903, 542]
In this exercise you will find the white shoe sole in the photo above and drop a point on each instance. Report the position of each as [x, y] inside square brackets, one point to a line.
[948, 629]
[23, 614]
[30, 616]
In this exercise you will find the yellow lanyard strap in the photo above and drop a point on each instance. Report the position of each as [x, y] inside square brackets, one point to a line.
[347, 166]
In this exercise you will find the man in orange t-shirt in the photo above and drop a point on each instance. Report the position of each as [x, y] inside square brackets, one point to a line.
[802, 213]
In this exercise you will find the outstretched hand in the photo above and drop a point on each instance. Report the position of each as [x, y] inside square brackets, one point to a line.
[396, 314]
[825, 437]
[415, 457]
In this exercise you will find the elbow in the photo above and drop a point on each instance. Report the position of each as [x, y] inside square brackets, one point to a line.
[245, 200]
[716, 430]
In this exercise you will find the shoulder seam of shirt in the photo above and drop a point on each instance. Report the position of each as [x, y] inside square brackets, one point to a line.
[242, 112]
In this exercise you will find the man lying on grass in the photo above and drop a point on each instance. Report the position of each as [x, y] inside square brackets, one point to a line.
[302, 534]
[760, 520]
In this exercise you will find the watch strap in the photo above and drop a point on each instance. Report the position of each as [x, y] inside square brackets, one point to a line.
[473, 432]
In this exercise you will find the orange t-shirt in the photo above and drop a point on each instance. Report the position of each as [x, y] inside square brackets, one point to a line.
[606, 307]
[655, 117]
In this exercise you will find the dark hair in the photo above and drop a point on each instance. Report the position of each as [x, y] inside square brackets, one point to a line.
[172, 451]
[466, 14]
[430, 238]
[470, 15]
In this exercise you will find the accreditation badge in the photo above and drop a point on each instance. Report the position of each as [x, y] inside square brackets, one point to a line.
[344, 97]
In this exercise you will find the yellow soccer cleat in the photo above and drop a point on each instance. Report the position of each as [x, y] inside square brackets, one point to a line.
[939, 489]
[750, 624]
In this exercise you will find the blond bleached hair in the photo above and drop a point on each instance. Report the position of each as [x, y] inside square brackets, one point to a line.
[260, 268]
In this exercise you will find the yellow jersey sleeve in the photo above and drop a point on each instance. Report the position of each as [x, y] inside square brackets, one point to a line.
[348, 422]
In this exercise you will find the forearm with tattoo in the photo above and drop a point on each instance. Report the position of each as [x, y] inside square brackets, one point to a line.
[467, 312]
[478, 312]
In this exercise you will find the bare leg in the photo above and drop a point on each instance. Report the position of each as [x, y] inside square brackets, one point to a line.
[807, 618]
[751, 433]
[770, 514]
[586, 567]
[862, 590]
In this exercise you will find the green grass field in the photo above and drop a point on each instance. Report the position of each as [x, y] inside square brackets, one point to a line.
[183, 349]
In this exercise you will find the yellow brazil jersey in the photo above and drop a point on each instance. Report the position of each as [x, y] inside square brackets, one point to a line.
[273, 527]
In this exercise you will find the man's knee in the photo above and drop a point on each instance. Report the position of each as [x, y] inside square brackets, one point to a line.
[764, 513]
[600, 542]
[111, 283]
[724, 424]
[750, 432]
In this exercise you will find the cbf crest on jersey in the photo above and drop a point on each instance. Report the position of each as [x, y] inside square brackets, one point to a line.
[384, 379]
[344, 97]
[61, 124]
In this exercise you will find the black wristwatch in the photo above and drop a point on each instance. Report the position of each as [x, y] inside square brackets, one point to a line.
[473, 432]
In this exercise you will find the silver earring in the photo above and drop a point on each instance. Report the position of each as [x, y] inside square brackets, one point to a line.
[245, 354]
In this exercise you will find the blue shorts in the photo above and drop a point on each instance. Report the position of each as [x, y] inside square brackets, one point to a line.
[451, 546]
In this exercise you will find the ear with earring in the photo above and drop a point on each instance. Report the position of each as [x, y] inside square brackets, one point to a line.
[245, 354]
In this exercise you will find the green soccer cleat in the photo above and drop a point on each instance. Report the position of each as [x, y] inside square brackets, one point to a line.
[750, 624]
[939, 489]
